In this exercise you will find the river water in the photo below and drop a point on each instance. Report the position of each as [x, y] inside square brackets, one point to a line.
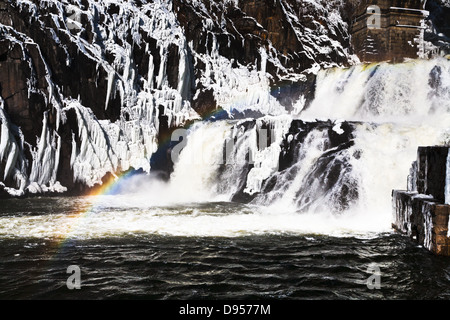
[202, 251]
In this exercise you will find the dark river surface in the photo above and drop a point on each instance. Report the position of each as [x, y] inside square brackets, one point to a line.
[201, 251]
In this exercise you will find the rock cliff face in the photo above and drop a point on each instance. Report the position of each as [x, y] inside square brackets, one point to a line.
[92, 88]
[437, 32]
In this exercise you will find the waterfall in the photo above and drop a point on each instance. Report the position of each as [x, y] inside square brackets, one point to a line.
[410, 92]
[344, 167]
[196, 171]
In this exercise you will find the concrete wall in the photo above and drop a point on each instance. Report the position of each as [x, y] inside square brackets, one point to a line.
[423, 219]
[420, 212]
[395, 39]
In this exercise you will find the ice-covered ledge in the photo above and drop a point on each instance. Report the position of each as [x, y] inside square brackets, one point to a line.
[422, 211]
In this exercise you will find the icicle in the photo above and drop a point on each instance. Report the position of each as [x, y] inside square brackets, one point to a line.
[54, 177]
[162, 68]
[15, 164]
[11, 160]
[111, 76]
[151, 68]
[183, 74]
[8, 145]
[263, 54]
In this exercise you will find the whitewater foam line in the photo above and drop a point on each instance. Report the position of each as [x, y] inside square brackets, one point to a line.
[107, 219]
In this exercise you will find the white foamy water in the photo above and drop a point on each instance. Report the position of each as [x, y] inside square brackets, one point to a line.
[413, 92]
[118, 216]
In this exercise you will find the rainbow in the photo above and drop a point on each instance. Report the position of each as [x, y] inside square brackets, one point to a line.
[114, 184]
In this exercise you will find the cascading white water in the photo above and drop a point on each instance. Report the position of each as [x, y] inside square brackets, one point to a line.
[398, 107]
[403, 106]
[412, 92]
[197, 169]
[284, 193]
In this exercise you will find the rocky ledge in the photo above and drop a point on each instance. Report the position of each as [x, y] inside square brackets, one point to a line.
[422, 211]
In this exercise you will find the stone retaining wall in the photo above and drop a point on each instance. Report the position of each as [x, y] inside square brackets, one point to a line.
[420, 212]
